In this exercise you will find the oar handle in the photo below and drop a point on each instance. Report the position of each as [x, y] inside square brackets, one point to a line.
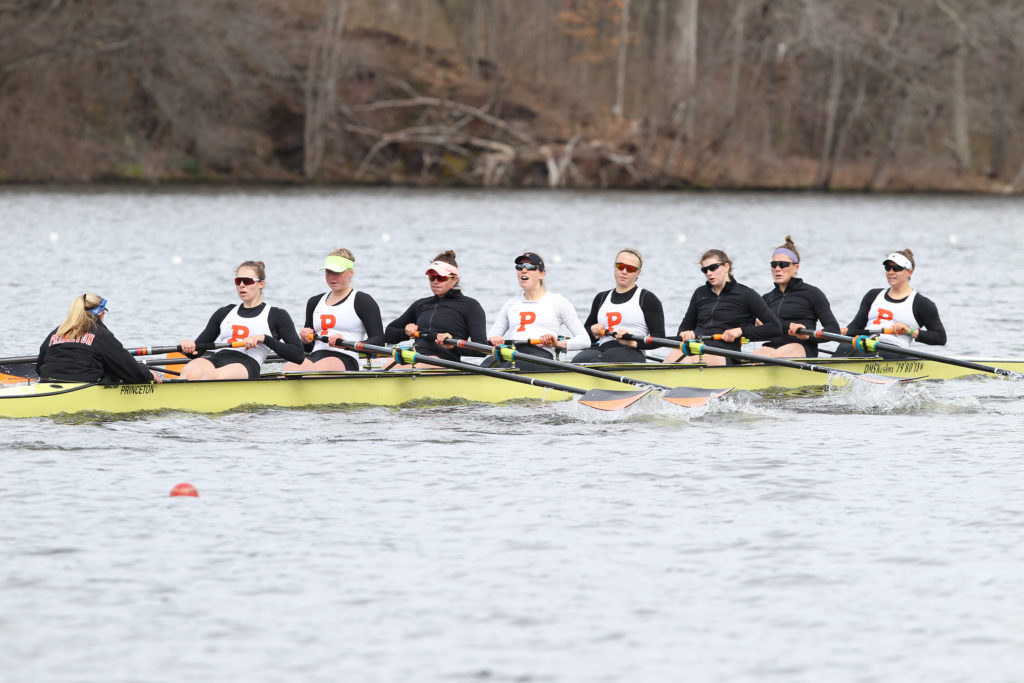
[505, 352]
[719, 337]
[200, 348]
[411, 356]
[692, 347]
[137, 351]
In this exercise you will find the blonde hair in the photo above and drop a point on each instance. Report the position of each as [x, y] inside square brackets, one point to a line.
[80, 320]
[344, 253]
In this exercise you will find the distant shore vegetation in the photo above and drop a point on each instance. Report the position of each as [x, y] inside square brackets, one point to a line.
[851, 95]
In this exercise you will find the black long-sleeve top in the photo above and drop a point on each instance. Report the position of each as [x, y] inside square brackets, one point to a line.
[455, 313]
[650, 305]
[803, 304]
[282, 340]
[366, 309]
[736, 306]
[930, 329]
[96, 356]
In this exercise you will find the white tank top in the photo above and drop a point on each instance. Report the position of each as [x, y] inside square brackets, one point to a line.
[340, 319]
[236, 328]
[626, 316]
[883, 313]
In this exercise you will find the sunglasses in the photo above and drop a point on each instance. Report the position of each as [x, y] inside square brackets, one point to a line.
[780, 264]
[526, 266]
[893, 267]
[246, 281]
[626, 267]
[437, 277]
[711, 267]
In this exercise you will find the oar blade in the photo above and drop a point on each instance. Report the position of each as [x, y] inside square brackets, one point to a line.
[608, 399]
[689, 397]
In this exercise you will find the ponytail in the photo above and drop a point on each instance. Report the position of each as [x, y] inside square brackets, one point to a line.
[80, 320]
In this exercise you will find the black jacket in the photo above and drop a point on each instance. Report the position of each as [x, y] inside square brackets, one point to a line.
[96, 356]
[737, 306]
[800, 303]
[455, 313]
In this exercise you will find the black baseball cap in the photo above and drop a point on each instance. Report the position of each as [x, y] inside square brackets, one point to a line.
[535, 259]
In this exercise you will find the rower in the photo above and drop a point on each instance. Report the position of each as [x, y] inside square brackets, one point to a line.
[341, 313]
[535, 314]
[724, 306]
[82, 349]
[626, 309]
[797, 304]
[899, 314]
[445, 314]
[259, 327]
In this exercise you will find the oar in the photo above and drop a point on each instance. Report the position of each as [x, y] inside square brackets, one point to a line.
[602, 399]
[137, 351]
[688, 397]
[694, 347]
[865, 343]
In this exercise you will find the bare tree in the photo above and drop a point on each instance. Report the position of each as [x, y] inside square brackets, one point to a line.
[322, 84]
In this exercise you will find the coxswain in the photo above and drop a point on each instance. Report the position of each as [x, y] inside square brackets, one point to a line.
[82, 349]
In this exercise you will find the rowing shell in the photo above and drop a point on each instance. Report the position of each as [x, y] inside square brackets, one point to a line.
[38, 399]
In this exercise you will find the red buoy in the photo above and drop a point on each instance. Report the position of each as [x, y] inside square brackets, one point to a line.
[185, 490]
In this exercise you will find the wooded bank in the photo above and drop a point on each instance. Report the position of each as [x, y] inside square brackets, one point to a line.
[846, 95]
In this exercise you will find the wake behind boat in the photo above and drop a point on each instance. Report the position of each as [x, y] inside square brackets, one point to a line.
[395, 388]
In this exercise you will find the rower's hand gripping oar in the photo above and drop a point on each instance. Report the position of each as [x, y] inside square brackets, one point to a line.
[602, 399]
[695, 348]
[866, 343]
[688, 397]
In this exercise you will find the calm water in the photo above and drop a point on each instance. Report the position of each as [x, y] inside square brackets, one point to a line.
[868, 535]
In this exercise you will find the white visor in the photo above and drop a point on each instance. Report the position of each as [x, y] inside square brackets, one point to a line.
[899, 260]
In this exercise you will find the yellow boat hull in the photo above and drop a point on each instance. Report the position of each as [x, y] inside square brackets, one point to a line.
[397, 388]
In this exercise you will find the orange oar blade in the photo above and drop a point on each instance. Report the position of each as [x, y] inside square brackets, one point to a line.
[607, 399]
[688, 397]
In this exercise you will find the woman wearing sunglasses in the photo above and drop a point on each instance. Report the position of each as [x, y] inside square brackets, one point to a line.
[797, 304]
[259, 327]
[906, 315]
[627, 308]
[82, 349]
[536, 314]
[446, 313]
[341, 313]
[724, 306]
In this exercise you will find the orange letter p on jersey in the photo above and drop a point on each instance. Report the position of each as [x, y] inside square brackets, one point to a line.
[525, 318]
[614, 318]
[327, 321]
[238, 333]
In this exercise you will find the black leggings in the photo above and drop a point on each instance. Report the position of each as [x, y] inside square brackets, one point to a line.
[610, 352]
